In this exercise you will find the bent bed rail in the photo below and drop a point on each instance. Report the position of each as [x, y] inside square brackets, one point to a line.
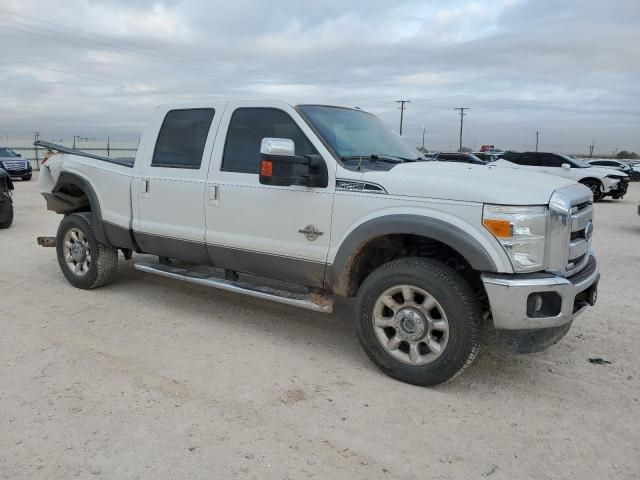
[125, 162]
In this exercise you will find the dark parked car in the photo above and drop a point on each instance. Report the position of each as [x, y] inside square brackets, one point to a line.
[6, 203]
[634, 173]
[13, 163]
[458, 157]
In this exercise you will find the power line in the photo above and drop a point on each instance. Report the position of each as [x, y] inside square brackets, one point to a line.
[462, 114]
[150, 54]
[402, 107]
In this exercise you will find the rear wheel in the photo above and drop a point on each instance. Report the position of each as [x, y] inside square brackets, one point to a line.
[85, 262]
[6, 213]
[418, 321]
[596, 188]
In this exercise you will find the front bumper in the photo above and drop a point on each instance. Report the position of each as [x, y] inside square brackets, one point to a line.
[512, 298]
[619, 190]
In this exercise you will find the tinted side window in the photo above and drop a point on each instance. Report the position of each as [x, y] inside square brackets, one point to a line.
[551, 161]
[529, 160]
[182, 137]
[247, 128]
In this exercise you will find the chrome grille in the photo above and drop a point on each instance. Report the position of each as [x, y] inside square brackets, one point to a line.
[570, 228]
[14, 164]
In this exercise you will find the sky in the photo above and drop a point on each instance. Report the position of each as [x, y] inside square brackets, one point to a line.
[568, 69]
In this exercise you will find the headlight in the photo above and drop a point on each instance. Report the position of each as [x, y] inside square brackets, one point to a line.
[521, 231]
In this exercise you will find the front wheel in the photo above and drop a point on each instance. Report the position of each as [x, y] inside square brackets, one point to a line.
[418, 321]
[85, 262]
[596, 188]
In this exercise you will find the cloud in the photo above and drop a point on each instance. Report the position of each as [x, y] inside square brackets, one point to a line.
[568, 68]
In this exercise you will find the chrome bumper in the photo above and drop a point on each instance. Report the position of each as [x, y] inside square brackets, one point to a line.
[509, 295]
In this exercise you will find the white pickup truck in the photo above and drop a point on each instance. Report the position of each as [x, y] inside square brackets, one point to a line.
[321, 201]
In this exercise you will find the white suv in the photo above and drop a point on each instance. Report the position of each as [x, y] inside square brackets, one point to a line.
[602, 181]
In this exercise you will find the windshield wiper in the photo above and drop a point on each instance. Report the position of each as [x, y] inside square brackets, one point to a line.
[372, 157]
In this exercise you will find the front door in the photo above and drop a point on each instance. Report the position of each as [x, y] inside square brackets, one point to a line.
[272, 231]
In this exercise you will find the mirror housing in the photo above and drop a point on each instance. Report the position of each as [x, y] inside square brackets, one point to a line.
[279, 165]
[566, 166]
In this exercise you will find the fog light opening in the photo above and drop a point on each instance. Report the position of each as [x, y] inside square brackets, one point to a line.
[543, 304]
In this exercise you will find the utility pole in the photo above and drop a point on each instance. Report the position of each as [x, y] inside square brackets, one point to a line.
[537, 138]
[591, 147]
[462, 114]
[402, 107]
[36, 137]
[424, 129]
[108, 147]
[74, 141]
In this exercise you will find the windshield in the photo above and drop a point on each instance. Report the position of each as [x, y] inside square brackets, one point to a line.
[575, 163]
[354, 133]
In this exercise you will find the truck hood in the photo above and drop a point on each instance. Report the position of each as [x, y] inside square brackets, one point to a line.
[469, 183]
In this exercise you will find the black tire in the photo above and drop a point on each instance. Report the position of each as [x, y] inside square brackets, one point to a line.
[26, 178]
[104, 258]
[452, 294]
[596, 188]
[6, 213]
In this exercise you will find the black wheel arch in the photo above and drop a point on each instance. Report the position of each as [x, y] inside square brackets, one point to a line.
[337, 278]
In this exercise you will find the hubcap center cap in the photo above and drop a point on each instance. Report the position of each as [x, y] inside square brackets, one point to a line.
[411, 323]
[78, 252]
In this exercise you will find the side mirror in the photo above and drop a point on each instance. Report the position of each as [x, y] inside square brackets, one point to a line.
[566, 166]
[279, 165]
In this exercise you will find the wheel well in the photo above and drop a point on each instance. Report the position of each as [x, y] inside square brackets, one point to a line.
[381, 250]
[591, 179]
[74, 196]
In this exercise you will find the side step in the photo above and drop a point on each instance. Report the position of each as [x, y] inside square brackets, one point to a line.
[314, 302]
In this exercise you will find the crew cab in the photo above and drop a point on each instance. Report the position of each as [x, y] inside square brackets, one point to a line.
[300, 204]
[603, 182]
[15, 165]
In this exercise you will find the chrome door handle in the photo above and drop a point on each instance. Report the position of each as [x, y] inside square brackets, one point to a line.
[213, 195]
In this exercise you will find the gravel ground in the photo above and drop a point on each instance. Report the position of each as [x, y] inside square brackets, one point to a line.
[152, 378]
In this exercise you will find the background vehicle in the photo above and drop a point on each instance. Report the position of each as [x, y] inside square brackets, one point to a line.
[15, 165]
[6, 202]
[458, 157]
[633, 172]
[332, 202]
[602, 181]
[487, 157]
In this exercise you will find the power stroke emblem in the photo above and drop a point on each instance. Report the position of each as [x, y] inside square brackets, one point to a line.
[311, 232]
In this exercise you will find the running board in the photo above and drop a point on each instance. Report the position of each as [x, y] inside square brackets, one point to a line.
[315, 302]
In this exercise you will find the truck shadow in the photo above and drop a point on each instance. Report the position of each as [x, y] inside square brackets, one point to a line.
[332, 333]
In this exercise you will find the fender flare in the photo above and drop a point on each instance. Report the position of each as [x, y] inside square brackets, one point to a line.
[67, 178]
[439, 230]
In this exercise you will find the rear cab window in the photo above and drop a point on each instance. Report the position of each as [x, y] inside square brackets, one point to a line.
[182, 138]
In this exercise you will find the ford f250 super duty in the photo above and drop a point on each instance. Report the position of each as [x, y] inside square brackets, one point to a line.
[322, 201]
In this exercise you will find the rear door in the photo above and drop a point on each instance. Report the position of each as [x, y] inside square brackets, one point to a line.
[280, 232]
[169, 187]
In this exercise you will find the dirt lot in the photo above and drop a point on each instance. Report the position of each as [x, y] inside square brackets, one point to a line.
[151, 378]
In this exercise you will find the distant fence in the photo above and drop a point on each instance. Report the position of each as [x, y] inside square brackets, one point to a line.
[36, 154]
